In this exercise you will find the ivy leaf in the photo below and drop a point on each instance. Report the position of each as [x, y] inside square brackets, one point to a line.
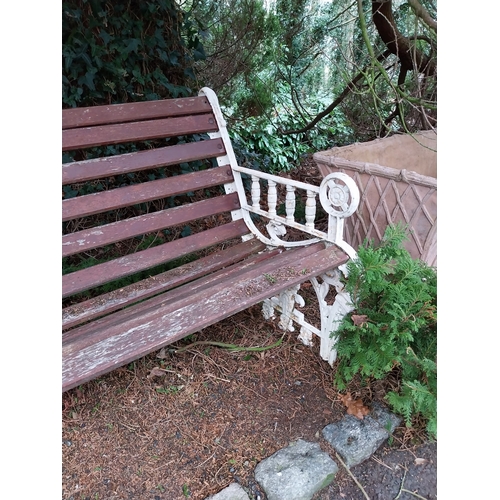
[174, 58]
[199, 53]
[106, 37]
[132, 46]
[189, 73]
[68, 192]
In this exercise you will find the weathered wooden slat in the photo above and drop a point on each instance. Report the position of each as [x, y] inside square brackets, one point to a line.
[267, 263]
[128, 228]
[141, 160]
[91, 204]
[106, 272]
[118, 113]
[88, 137]
[88, 356]
[104, 304]
[185, 292]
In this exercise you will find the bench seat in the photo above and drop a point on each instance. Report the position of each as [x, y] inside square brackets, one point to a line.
[96, 348]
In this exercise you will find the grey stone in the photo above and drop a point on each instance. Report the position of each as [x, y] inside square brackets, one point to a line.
[233, 492]
[384, 417]
[355, 439]
[296, 472]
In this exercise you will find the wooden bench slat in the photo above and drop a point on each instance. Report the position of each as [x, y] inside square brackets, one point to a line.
[172, 299]
[88, 137]
[81, 241]
[104, 304]
[141, 160]
[268, 262]
[106, 272]
[117, 113]
[103, 201]
[89, 356]
[185, 292]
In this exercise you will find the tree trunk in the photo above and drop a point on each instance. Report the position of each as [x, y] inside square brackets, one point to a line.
[399, 45]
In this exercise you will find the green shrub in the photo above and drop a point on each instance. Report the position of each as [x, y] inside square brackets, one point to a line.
[259, 141]
[393, 326]
[116, 52]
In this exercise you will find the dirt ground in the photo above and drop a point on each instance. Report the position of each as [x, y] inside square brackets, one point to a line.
[187, 421]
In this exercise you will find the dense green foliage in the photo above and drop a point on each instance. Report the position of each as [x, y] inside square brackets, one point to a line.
[260, 143]
[131, 51]
[278, 67]
[393, 327]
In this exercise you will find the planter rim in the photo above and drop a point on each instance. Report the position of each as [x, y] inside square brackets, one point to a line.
[404, 175]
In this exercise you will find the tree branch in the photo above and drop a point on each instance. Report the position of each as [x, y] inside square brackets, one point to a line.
[421, 12]
[396, 42]
[349, 88]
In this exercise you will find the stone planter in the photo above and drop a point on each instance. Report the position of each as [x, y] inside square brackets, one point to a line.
[397, 178]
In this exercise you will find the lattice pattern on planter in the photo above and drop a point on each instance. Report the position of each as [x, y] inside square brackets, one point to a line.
[389, 196]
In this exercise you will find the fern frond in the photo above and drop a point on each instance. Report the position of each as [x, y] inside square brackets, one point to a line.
[401, 405]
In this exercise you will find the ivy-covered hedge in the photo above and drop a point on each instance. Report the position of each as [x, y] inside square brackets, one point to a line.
[116, 52]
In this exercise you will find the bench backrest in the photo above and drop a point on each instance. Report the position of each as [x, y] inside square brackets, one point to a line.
[149, 186]
[118, 203]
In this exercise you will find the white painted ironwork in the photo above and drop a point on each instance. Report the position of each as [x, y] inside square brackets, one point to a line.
[331, 314]
[272, 198]
[339, 196]
[310, 208]
[255, 193]
[290, 203]
[285, 303]
[331, 204]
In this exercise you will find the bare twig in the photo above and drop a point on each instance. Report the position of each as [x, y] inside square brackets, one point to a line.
[414, 494]
[401, 489]
[205, 461]
[352, 475]
[382, 463]
[230, 347]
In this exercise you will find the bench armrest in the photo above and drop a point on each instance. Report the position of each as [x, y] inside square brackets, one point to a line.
[338, 194]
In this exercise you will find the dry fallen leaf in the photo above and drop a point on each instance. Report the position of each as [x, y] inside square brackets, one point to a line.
[161, 354]
[355, 407]
[156, 372]
[359, 319]
[420, 461]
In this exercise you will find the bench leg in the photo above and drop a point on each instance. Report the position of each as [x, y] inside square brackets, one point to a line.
[331, 314]
[285, 304]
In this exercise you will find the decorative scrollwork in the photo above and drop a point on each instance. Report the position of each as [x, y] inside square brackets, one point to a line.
[275, 230]
[339, 195]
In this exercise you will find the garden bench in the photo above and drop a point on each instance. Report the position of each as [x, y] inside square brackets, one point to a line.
[138, 174]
